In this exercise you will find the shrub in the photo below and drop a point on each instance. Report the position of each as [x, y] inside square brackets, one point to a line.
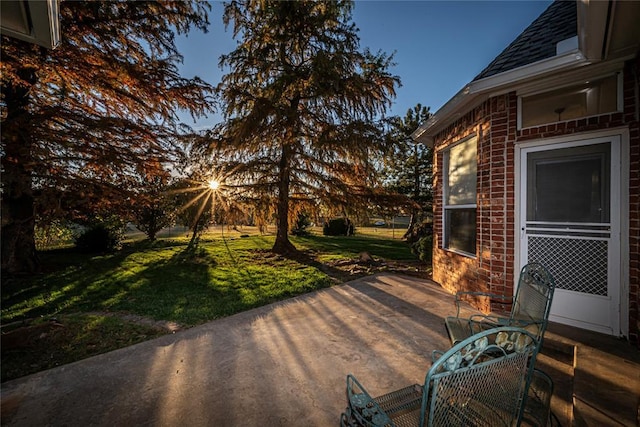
[302, 223]
[53, 234]
[338, 227]
[418, 231]
[153, 217]
[100, 237]
[423, 248]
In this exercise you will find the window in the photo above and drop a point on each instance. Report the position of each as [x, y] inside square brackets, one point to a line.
[591, 98]
[460, 182]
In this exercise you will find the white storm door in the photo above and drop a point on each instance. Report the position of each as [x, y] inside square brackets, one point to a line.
[570, 222]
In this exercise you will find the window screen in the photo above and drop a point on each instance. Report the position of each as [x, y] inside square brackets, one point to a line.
[569, 185]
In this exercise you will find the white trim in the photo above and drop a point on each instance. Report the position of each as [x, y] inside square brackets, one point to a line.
[622, 130]
[563, 121]
[575, 81]
[558, 232]
[467, 206]
[580, 325]
[622, 202]
[585, 224]
[549, 88]
[625, 258]
[461, 253]
[557, 81]
[445, 152]
[41, 22]
[519, 113]
[450, 106]
[467, 94]
[471, 93]
[575, 58]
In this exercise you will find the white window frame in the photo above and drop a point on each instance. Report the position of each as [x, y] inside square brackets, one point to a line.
[449, 207]
[619, 99]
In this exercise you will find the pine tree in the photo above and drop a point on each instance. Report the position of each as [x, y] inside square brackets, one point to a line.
[82, 121]
[408, 170]
[301, 102]
[153, 208]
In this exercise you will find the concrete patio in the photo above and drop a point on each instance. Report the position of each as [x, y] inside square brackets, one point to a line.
[285, 364]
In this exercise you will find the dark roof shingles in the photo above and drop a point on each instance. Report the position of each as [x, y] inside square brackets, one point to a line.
[538, 41]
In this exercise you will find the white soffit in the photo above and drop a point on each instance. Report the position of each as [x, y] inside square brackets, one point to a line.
[34, 21]
[624, 30]
[608, 29]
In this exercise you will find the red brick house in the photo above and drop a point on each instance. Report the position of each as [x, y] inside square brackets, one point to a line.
[538, 159]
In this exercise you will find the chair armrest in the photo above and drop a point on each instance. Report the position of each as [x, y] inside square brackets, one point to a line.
[436, 354]
[460, 294]
[363, 407]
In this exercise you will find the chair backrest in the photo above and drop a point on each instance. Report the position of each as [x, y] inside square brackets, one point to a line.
[481, 381]
[532, 302]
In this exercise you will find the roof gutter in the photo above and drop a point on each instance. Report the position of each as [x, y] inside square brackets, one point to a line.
[493, 84]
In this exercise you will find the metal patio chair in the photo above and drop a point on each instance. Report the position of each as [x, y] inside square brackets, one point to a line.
[481, 381]
[530, 306]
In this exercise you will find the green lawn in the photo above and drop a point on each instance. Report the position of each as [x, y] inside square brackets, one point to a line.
[160, 281]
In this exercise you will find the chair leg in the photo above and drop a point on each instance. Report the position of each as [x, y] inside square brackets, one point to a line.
[344, 421]
[347, 420]
[537, 411]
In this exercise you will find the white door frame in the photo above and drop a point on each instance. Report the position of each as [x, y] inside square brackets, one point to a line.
[622, 201]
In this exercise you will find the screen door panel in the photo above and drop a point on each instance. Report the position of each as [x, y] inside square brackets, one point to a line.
[567, 227]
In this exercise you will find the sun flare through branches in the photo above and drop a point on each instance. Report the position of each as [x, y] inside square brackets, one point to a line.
[200, 199]
[213, 184]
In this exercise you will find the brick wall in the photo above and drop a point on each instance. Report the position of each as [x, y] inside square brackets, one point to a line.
[495, 123]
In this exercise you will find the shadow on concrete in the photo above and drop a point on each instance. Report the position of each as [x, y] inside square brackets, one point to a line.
[279, 365]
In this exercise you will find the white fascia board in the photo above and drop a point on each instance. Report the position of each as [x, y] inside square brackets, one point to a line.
[498, 83]
[575, 58]
[559, 80]
[443, 112]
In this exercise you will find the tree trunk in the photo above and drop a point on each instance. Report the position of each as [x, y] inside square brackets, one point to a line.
[409, 234]
[18, 214]
[282, 244]
[411, 231]
[195, 237]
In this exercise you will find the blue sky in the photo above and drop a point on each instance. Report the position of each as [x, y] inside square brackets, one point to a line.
[439, 45]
